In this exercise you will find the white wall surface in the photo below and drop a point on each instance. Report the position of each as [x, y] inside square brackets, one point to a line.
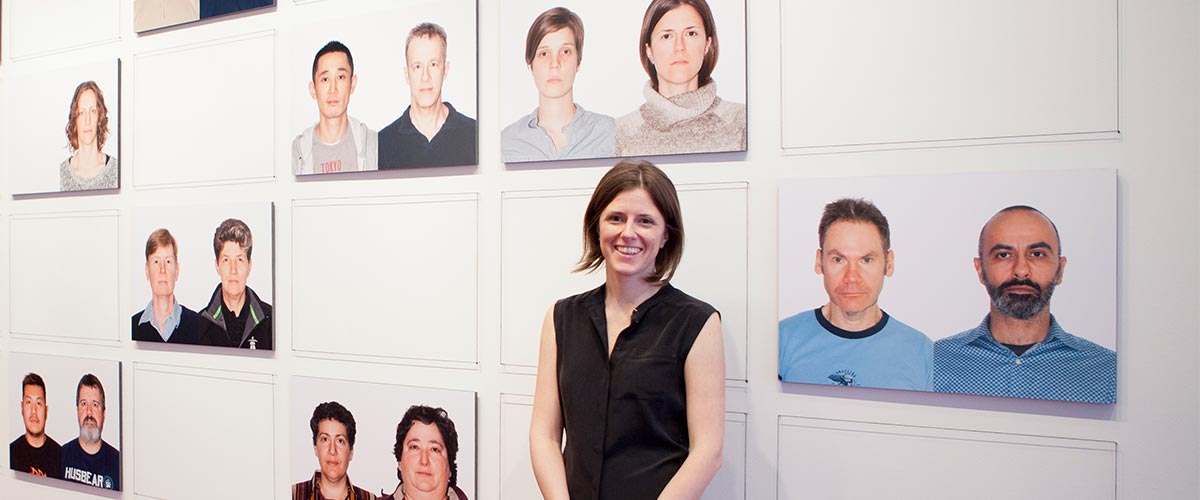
[876, 72]
[190, 419]
[194, 76]
[64, 262]
[827, 458]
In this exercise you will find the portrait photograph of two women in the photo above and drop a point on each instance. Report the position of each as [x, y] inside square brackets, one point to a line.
[579, 81]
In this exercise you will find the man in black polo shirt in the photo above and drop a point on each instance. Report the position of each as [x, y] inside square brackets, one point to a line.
[430, 133]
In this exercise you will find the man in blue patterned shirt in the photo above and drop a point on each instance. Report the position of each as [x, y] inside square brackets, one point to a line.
[1019, 350]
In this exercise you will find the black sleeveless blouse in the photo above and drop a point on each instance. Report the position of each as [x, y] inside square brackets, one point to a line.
[625, 417]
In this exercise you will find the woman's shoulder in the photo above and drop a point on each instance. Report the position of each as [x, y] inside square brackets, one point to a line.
[695, 302]
[729, 111]
[630, 121]
[590, 297]
[523, 124]
[594, 119]
[682, 300]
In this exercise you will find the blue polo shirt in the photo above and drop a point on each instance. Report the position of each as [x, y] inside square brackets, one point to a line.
[1062, 366]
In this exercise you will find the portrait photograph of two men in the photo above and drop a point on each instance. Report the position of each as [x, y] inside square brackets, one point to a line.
[984, 284]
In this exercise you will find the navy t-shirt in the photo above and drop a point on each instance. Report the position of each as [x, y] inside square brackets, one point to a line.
[102, 470]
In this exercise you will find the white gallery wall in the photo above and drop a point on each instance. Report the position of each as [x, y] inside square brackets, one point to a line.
[448, 271]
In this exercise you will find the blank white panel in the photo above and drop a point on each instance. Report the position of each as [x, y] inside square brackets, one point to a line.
[541, 242]
[383, 276]
[191, 420]
[715, 262]
[829, 459]
[64, 262]
[205, 113]
[883, 72]
[516, 470]
[730, 481]
[42, 26]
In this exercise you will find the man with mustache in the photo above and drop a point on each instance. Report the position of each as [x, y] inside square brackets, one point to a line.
[35, 452]
[430, 133]
[90, 460]
[1019, 350]
[850, 340]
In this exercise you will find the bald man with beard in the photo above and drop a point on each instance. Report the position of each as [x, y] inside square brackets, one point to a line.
[1019, 350]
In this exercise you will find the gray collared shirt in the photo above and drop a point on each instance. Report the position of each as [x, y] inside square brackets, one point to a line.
[169, 325]
[589, 135]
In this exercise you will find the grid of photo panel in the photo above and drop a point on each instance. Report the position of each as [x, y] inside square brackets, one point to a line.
[928, 283]
[409, 442]
[360, 103]
[74, 114]
[207, 273]
[617, 79]
[88, 446]
[919, 283]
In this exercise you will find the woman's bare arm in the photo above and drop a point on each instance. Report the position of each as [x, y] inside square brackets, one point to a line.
[704, 381]
[546, 426]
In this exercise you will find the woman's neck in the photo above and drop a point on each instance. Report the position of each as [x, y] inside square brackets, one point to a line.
[626, 293]
[555, 112]
[669, 90]
[402, 494]
[88, 161]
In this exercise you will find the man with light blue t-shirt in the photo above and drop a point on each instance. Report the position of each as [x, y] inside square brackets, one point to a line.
[850, 341]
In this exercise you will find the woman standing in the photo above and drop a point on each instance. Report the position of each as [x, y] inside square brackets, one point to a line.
[634, 370]
[682, 113]
[87, 130]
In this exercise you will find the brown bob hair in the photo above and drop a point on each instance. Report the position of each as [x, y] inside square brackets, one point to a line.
[550, 21]
[655, 12]
[101, 123]
[626, 175]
